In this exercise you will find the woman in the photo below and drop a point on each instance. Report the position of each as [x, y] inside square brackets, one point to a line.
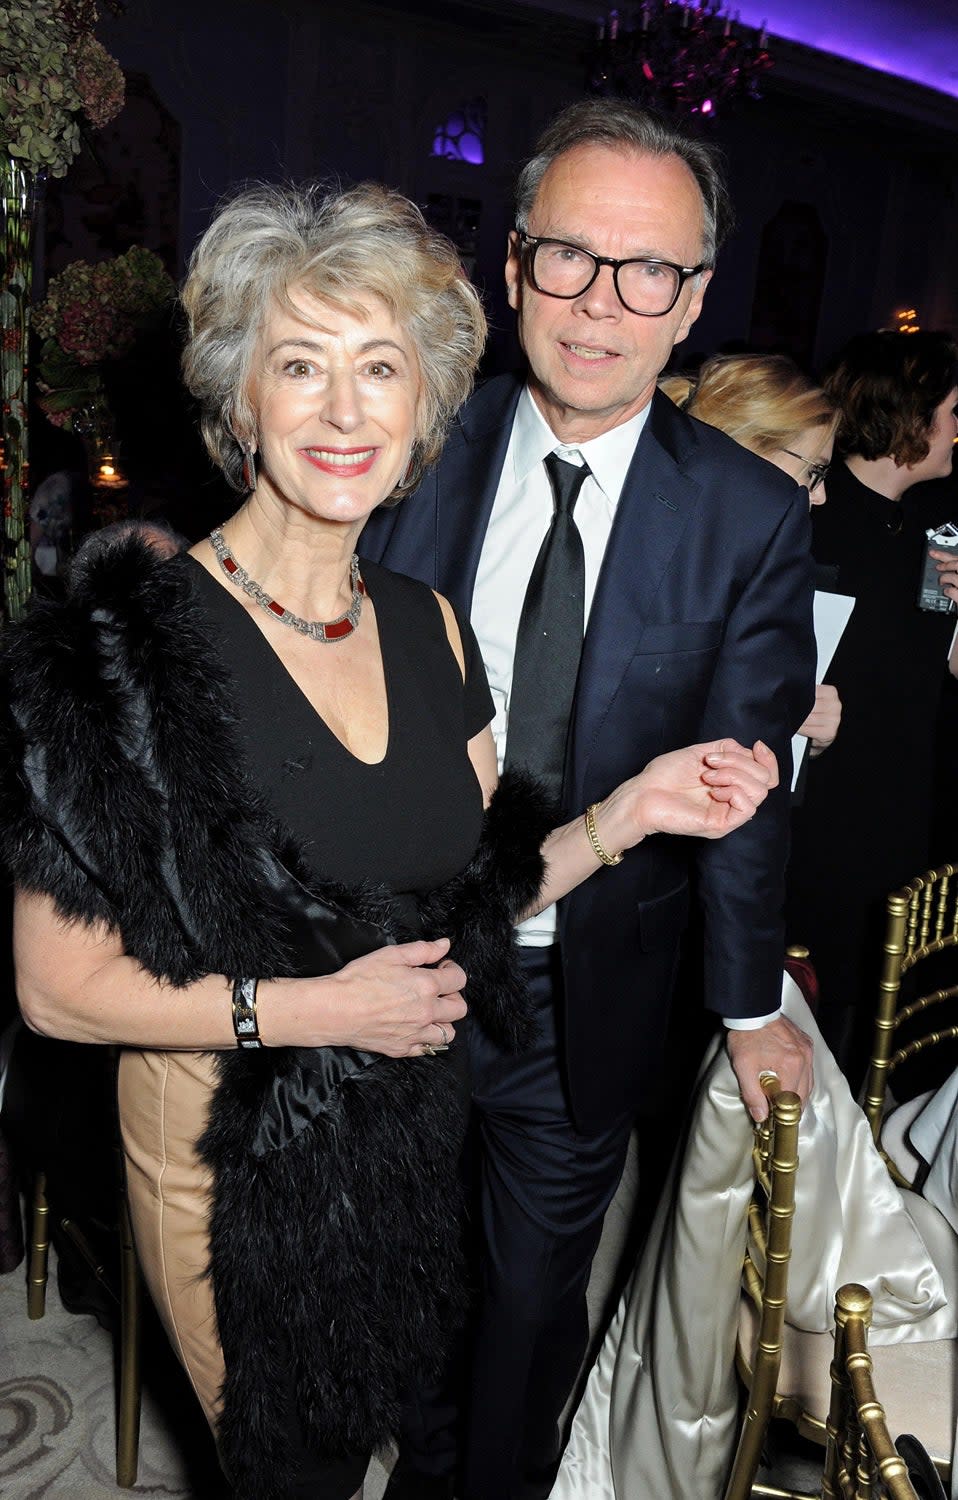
[865, 824]
[765, 403]
[246, 819]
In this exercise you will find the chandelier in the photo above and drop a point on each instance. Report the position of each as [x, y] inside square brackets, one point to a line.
[678, 59]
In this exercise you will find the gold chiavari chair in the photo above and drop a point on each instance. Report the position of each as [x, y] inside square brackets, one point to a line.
[765, 1276]
[120, 1279]
[922, 921]
[786, 1371]
[861, 1461]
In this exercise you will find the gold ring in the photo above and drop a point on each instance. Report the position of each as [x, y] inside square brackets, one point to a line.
[445, 1034]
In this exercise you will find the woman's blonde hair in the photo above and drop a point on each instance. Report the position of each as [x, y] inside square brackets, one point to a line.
[343, 246]
[763, 401]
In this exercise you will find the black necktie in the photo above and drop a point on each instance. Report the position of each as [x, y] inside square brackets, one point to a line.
[549, 639]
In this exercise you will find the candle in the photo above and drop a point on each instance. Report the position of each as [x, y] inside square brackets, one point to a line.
[107, 474]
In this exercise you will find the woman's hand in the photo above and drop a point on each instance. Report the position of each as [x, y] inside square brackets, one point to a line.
[386, 1001]
[75, 981]
[821, 726]
[706, 790]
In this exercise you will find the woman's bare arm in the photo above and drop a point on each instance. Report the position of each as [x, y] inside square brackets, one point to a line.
[704, 790]
[75, 981]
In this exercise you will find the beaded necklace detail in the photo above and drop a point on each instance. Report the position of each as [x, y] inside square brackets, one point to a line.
[327, 631]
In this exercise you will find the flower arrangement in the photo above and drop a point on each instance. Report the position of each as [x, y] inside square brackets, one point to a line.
[94, 313]
[53, 72]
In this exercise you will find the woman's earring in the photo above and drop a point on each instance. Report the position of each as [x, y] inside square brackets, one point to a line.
[249, 467]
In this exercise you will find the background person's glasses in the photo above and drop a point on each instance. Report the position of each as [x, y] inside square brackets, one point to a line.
[648, 287]
[817, 472]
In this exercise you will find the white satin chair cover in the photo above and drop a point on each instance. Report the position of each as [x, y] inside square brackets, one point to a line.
[934, 1135]
[659, 1416]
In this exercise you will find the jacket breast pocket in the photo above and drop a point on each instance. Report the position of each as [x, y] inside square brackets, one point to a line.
[662, 920]
[681, 636]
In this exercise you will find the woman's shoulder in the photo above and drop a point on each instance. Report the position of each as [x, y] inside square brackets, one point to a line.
[399, 586]
[429, 614]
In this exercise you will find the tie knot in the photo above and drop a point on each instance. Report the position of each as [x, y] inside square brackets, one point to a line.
[566, 480]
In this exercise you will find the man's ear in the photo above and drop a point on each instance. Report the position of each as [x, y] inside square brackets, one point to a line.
[694, 307]
[513, 271]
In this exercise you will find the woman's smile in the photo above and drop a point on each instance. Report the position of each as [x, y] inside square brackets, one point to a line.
[346, 461]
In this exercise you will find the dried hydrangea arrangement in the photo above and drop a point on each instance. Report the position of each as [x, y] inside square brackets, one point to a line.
[53, 74]
[93, 313]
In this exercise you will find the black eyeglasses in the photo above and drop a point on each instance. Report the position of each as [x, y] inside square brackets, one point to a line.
[645, 286]
[817, 472]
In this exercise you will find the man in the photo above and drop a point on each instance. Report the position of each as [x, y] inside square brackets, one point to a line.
[694, 578]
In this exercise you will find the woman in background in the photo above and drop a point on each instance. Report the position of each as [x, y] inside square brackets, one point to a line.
[765, 403]
[864, 826]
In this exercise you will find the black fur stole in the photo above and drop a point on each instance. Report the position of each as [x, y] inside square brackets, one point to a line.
[335, 1261]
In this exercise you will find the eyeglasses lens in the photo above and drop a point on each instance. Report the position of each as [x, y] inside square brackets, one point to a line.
[566, 271]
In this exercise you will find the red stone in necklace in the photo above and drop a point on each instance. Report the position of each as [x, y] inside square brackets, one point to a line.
[327, 631]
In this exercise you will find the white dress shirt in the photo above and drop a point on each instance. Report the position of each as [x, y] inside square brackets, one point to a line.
[520, 517]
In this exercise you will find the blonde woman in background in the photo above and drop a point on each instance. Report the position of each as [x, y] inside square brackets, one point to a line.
[767, 404]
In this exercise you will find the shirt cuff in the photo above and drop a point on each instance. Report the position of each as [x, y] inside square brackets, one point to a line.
[750, 1023]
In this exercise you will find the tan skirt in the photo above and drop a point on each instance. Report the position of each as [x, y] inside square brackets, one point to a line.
[164, 1104]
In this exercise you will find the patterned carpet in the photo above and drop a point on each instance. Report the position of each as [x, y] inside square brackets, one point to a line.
[56, 1412]
[56, 1401]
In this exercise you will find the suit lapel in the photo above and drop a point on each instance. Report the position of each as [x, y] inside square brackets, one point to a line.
[656, 506]
[468, 478]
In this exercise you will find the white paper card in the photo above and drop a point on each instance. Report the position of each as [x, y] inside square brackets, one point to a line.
[831, 614]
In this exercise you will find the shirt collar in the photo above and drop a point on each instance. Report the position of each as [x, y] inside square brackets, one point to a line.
[608, 456]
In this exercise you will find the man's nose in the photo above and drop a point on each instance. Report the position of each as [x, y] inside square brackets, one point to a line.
[601, 300]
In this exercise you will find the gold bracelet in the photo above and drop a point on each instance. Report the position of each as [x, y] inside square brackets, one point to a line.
[599, 849]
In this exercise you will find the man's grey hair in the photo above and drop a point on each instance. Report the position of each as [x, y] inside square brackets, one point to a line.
[623, 127]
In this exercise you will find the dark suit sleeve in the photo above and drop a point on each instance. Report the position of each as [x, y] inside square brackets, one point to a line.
[763, 688]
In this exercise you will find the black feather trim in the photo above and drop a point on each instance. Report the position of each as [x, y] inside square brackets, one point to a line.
[122, 795]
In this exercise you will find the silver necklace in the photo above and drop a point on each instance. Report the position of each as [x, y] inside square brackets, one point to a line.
[327, 631]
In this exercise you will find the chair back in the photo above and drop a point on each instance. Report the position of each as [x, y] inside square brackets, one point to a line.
[922, 920]
[861, 1461]
[765, 1273]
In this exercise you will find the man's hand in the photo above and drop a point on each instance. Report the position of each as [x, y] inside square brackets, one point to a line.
[821, 726]
[947, 565]
[781, 1048]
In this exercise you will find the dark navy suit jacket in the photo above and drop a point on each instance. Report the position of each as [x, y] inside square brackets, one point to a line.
[701, 626]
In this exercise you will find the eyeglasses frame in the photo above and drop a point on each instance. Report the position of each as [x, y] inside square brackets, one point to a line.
[531, 243]
[817, 472]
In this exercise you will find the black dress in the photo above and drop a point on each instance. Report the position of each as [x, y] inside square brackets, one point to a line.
[863, 826]
[409, 822]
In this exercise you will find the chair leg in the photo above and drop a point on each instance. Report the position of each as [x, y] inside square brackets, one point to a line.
[39, 1249]
[128, 1404]
[772, 1492]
